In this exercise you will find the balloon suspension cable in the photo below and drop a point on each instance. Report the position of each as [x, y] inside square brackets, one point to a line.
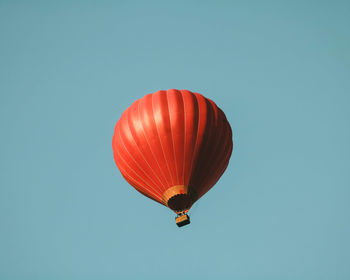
[181, 213]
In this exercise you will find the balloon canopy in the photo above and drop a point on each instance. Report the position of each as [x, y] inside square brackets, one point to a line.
[172, 146]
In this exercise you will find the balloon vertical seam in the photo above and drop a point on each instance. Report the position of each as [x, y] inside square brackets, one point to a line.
[161, 145]
[195, 144]
[184, 157]
[132, 136]
[172, 138]
[126, 149]
[144, 133]
[151, 190]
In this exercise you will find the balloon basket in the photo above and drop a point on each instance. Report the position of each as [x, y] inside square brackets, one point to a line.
[182, 220]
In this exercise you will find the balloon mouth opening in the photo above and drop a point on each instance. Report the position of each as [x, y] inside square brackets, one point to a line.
[180, 202]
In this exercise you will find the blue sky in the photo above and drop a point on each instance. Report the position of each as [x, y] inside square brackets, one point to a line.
[279, 70]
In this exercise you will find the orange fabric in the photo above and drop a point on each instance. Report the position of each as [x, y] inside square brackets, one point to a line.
[170, 138]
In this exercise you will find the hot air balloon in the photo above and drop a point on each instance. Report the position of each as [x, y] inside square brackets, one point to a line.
[173, 146]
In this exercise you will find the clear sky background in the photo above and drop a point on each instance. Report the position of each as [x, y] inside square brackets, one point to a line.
[280, 70]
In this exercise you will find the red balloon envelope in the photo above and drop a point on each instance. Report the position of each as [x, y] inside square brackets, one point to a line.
[172, 146]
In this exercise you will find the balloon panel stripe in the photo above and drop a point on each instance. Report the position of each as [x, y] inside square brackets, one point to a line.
[140, 182]
[135, 161]
[160, 140]
[148, 142]
[175, 182]
[132, 128]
